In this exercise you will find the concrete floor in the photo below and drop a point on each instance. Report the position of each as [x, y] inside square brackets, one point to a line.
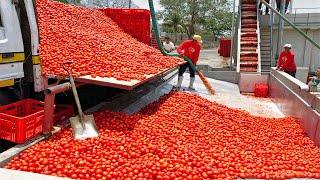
[228, 94]
[212, 58]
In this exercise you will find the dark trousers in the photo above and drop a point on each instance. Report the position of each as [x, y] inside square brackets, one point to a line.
[285, 6]
[267, 9]
[292, 73]
[183, 68]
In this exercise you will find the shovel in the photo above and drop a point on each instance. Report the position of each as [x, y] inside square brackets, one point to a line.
[83, 126]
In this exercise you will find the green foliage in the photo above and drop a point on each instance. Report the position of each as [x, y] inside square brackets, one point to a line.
[209, 17]
[220, 21]
[63, 1]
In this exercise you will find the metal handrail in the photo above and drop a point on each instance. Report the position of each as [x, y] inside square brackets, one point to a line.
[233, 31]
[280, 28]
[291, 24]
[271, 20]
[259, 39]
[239, 36]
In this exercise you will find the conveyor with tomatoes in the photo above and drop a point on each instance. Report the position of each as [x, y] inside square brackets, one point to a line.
[103, 51]
[249, 61]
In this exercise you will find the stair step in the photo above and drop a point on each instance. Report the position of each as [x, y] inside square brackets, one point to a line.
[248, 5]
[265, 52]
[265, 58]
[249, 16]
[249, 39]
[249, 26]
[248, 54]
[248, 48]
[248, 69]
[265, 48]
[265, 64]
[248, 64]
[249, 43]
[265, 33]
[248, 21]
[248, 13]
[248, 1]
[244, 30]
[249, 34]
[249, 8]
[265, 36]
[266, 69]
[248, 59]
[265, 41]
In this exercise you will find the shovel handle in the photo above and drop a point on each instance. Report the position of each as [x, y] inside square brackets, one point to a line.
[67, 66]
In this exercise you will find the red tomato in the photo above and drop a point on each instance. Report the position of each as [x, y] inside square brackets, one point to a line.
[182, 136]
[95, 43]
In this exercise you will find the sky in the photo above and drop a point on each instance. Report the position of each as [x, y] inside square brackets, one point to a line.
[307, 4]
[296, 4]
[144, 4]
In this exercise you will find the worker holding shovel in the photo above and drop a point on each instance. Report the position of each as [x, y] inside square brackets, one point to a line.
[190, 49]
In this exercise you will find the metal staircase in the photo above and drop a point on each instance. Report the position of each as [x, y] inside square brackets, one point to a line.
[266, 49]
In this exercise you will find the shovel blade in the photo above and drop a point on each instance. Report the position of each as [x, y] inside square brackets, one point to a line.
[89, 130]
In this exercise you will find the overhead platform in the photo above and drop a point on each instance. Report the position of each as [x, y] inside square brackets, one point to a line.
[120, 84]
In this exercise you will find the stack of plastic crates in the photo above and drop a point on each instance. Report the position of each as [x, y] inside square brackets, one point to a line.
[135, 22]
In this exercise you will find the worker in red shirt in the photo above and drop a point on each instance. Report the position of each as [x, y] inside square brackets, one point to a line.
[190, 49]
[286, 61]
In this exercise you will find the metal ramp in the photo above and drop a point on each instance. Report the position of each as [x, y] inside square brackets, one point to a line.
[126, 85]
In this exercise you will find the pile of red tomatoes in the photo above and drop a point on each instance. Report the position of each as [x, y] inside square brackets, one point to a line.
[182, 136]
[95, 43]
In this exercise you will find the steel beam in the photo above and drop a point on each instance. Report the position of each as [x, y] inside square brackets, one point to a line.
[50, 95]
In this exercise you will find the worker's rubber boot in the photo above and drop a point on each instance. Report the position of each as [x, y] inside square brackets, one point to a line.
[192, 79]
[179, 83]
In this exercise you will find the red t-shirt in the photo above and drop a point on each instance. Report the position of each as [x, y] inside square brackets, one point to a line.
[191, 49]
[286, 61]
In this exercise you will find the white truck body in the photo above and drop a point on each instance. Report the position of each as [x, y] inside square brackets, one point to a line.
[12, 45]
[10, 42]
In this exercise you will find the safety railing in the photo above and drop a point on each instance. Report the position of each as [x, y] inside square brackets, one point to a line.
[305, 19]
[259, 40]
[305, 10]
[302, 33]
[239, 36]
[298, 16]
